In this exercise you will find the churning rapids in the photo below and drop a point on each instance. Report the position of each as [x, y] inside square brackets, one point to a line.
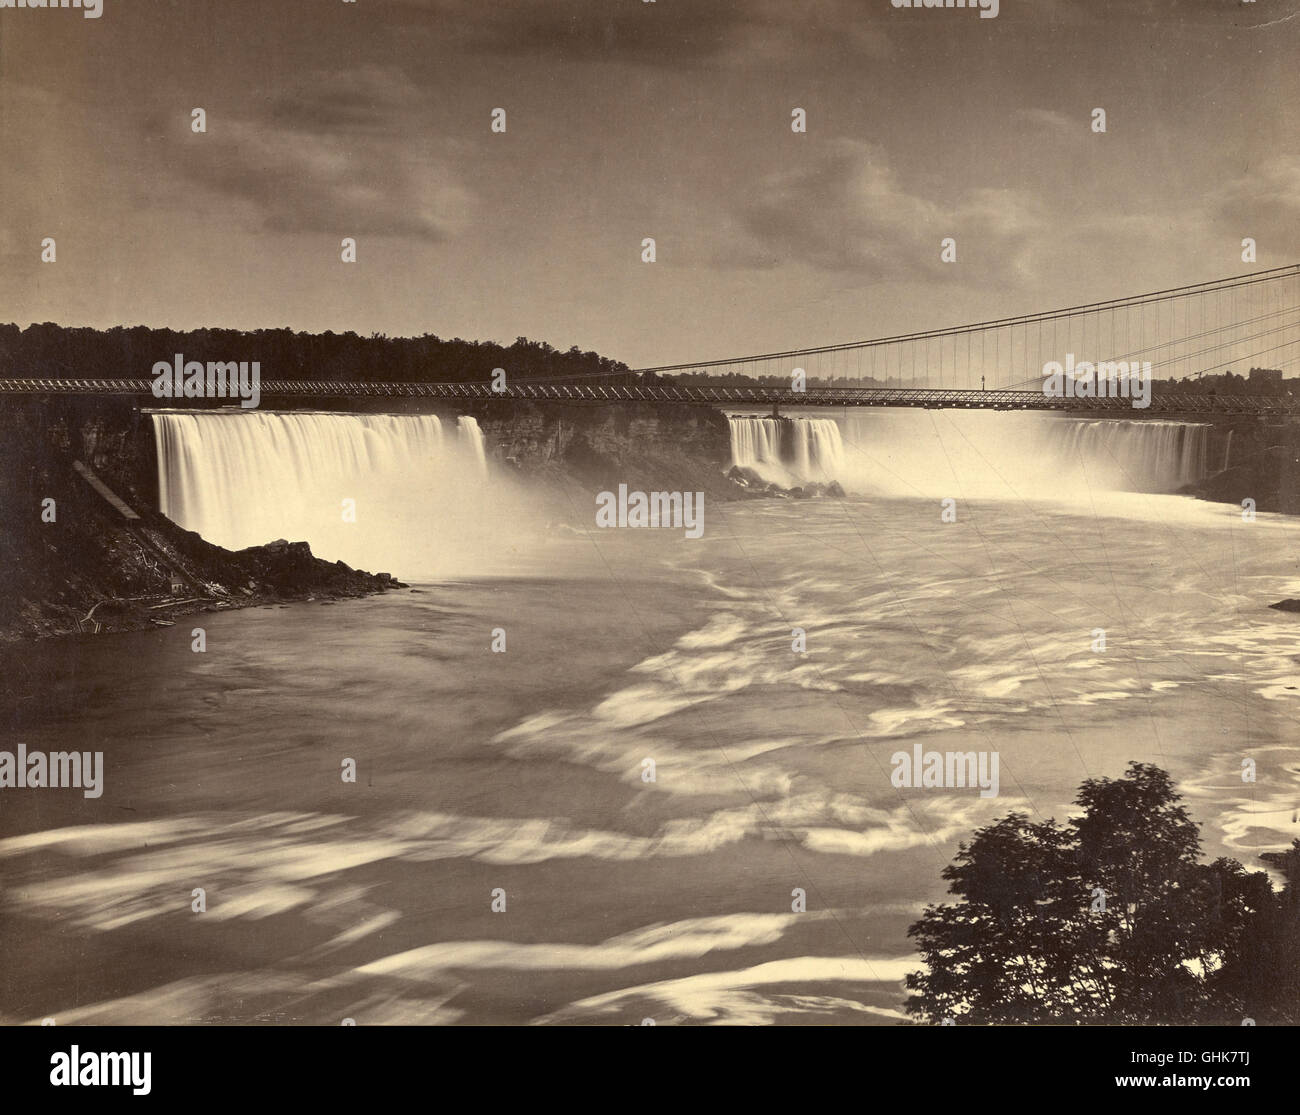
[526, 771]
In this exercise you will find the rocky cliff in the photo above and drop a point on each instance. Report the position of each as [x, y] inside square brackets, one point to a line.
[1261, 461]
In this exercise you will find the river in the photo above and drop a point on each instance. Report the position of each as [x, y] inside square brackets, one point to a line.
[519, 777]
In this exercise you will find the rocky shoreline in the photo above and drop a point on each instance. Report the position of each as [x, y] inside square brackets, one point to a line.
[157, 573]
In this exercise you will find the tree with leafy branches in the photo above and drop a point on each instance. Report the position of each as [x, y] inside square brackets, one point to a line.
[1108, 919]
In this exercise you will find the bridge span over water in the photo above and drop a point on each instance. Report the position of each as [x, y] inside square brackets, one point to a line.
[1163, 404]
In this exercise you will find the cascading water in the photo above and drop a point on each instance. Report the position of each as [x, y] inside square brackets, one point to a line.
[984, 453]
[378, 491]
[788, 452]
[1153, 456]
[755, 442]
[467, 428]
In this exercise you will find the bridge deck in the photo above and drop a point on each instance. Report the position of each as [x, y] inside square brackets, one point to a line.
[934, 398]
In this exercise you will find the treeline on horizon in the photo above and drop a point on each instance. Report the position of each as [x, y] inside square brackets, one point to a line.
[1258, 381]
[49, 350]
[54, 351]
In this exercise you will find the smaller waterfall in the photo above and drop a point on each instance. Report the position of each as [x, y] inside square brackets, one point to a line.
[468, 430]
[756, 442]
[787, 451]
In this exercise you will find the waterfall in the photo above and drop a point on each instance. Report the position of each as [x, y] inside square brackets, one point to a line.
[378, 491]
[825, 447]
[467, 429]
[788, 451]
[1153, 456]
[950, 452]
[755, 442]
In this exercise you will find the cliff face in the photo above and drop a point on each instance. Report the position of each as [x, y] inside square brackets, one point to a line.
[108, 434]
[1262, 459]
[647, 447]
[554, 432]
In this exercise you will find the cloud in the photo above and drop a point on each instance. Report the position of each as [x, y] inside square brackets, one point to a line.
[849, 212]
[1199, 238]
[335, 155]
[370, 100]
[1262, 202]
[681, 33]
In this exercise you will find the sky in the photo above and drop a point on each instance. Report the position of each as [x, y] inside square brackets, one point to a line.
[628, 119]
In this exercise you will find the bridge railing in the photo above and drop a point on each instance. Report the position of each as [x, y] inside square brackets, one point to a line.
[937, 398]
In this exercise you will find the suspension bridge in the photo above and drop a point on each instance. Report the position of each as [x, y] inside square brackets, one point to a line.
[1248, 323]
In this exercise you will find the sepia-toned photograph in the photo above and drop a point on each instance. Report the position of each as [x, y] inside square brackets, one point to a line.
[807, 497]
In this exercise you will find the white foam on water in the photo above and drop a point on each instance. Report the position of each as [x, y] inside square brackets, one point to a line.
[729, 998]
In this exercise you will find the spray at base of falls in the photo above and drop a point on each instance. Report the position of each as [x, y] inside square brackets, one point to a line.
[377, 491]
[968, 452]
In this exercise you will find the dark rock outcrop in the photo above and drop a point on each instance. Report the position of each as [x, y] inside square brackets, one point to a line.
[651, 447]
[1263, 464]
[748, 479]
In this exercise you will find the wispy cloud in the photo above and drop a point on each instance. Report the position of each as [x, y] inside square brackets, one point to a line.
[1262, 202]
[677, 35]
[336, 154]
[849, 211]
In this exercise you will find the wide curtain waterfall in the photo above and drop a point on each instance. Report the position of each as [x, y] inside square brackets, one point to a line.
[378, 491]
[959, 452]
[1152, 455]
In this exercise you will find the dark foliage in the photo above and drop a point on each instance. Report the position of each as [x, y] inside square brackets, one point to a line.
[1109, 919]
[130, 353]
